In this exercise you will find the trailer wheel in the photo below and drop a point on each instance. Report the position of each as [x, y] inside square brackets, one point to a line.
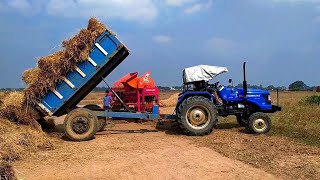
[101, 124]
[102, 121]
[80, 125]
[259, 123]
[93, 107]
[198, 116]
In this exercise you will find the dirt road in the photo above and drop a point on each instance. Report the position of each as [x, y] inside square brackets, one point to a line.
[135, 151]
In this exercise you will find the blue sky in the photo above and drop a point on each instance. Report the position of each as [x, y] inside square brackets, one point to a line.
[279, 39]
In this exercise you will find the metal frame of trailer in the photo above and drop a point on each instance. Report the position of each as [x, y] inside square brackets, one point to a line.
[136, 115]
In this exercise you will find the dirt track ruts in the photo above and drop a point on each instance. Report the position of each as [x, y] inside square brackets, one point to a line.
[135, 151]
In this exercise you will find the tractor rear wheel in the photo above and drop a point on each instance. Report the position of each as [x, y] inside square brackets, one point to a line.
[102, 121]
[259, 123]
[80, 124]
[178, 110]
[198, 116]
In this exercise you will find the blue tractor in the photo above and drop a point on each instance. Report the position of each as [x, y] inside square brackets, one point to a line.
[200, 103]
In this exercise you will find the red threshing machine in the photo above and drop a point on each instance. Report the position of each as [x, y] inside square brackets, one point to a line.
[138, 93]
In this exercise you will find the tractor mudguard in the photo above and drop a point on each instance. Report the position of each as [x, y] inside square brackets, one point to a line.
[187, 94]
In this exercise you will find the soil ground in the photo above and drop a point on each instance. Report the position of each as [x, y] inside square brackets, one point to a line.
[135, 151]
[127, 150]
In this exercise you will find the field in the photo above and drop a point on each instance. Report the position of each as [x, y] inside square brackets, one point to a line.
[144, 150]
[290, 149]
[296, 120]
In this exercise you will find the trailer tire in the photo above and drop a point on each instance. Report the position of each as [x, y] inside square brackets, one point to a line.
[259, 123]
[93, 107]
[80, 124]
[198, 116]
[102, 121]
[101, 124]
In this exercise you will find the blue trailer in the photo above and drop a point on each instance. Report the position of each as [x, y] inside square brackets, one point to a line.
[106, 54]
[197, 109]
[82, 123]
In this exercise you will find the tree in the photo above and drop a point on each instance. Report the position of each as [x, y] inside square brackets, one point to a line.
[298, 86]
[271, 88]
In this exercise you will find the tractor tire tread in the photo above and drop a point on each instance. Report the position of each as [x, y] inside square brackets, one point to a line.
[258, 115]
[213, 112]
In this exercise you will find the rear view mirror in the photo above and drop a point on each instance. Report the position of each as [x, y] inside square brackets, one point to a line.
[230, 80]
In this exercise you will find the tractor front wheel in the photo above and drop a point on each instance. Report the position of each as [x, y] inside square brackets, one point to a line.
[259, 123]
[198, 116]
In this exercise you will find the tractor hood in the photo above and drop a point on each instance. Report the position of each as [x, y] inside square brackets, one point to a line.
[251, 92]
[202, 73]
[257, 91]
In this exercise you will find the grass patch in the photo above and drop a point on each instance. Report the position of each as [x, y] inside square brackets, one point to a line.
[312, 100]
[297, 120]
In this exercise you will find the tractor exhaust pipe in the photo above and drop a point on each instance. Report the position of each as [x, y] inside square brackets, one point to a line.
[245, 85]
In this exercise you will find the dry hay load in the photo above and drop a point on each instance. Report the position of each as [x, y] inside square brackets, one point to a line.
[51, 69]
[6, 171]
[14, 109]
[19, 142]
[29, 76]
[171, 101]
[17, 106]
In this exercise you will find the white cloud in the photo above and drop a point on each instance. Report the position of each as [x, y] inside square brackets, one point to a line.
[131, 10]
[177, 2]
[198, 7]
[25, 7]
[193, 9]
[162, 39]
[221, 46]
[22, 6]
[221, 43]
[145, 10]
[296, 1]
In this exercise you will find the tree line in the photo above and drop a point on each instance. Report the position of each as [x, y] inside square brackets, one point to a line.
[295, 86]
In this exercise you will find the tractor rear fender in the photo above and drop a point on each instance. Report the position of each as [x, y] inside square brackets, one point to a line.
[186, 95]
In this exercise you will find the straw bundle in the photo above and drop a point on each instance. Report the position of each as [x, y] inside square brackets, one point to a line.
[29, 76]
[18, 142]
[2, 95]
[96, 27]
[6, 171]
[51, 64]
[12, 99]
[170, 102]
[53, 67]
[14, 108]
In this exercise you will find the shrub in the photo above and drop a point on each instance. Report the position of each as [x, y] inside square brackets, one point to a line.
[312, 100]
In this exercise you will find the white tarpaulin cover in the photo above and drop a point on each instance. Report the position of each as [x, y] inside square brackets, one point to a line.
[202, 73]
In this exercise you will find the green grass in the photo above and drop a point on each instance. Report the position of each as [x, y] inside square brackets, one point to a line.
[312, 100]
[297, 120]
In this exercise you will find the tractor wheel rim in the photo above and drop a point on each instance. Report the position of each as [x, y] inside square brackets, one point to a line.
[198, 117]
[260, 125]
[80, 125]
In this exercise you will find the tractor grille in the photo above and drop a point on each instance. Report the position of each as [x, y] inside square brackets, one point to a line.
[266, 98]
